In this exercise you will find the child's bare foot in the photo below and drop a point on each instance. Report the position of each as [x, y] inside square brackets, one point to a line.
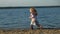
[41, 27]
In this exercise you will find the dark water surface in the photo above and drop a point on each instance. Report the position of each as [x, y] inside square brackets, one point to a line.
[19, 18]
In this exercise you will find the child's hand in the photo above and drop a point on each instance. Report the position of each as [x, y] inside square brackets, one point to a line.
[29, 17]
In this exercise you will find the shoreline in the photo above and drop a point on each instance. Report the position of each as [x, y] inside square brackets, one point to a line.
[29, 31]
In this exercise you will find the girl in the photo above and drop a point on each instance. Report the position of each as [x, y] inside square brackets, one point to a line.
[33, 17]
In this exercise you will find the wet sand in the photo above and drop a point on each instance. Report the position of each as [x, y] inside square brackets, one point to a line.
[29, 31]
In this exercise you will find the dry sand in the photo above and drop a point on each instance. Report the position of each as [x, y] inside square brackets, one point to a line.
[35, 31]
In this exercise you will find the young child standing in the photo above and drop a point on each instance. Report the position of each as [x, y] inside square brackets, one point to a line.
[33, 17]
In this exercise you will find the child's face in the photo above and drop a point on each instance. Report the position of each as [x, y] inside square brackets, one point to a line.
[30, 10]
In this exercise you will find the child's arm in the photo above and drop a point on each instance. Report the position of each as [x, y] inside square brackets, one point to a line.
[30, 16]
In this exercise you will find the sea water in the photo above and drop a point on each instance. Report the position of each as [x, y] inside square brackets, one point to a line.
[19, 17]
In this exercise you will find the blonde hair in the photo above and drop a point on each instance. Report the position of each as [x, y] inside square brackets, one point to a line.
[33, 10]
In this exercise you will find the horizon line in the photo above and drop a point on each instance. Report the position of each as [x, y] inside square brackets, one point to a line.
[29, 7]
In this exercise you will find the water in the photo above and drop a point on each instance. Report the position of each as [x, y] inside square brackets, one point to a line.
[19, 18]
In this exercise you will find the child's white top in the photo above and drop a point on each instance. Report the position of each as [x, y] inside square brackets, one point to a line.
[33, 16]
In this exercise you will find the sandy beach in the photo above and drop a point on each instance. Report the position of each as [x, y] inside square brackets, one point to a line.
[35, 31]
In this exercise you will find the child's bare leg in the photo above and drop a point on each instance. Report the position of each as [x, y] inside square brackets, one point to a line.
[32, 22]
[39, 26]
[31, 27]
